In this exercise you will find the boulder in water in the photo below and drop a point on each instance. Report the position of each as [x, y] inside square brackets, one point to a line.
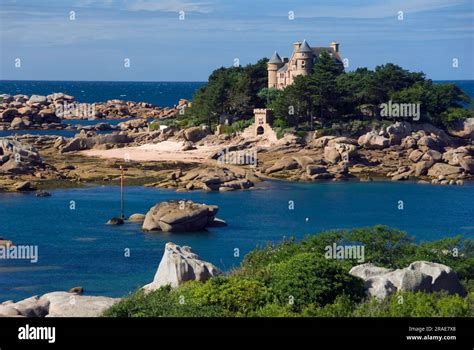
[137, 217]
[179, 216]
[115, 221]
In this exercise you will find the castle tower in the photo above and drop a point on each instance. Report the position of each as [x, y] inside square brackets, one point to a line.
[304, 59]
[263, 121]
[273, 65]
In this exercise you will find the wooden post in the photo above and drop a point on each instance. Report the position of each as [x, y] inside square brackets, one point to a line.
[122, 215]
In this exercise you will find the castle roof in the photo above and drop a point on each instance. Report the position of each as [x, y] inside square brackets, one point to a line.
[304, 47]
[283, 69]
[276, 59]
[317, 51]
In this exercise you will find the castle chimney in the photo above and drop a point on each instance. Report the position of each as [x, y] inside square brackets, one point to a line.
[335, 46]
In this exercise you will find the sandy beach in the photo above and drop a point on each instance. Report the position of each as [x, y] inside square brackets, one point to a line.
[163, 151]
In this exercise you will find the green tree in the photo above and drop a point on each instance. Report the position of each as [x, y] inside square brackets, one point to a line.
[435, 99]
[230, 91]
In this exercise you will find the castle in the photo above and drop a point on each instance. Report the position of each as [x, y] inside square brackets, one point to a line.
[281, 73]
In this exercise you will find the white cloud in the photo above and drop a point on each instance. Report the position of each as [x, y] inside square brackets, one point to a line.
[388, 8]
[171, 6]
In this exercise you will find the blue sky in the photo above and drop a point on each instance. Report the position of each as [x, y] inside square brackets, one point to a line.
[161, 47]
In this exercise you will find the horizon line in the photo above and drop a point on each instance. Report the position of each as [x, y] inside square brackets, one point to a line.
[150, 81]
[112, 81]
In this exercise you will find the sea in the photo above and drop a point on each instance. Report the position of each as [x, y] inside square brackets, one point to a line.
[162, 94]
[76, 247]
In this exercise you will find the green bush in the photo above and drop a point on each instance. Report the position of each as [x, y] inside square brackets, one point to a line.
[238, 126]
[154, 126]
[273, 310]
[343, 306]
[234, 295]
[310, 278]
[454, 114]
[163, 302]
[352, 127]
[280, 123]
[418, 305]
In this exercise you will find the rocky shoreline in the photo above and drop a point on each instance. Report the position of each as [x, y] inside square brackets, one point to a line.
[197, 159]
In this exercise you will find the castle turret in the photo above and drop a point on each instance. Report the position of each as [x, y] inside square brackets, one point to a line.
[273, 65]
[304, 59]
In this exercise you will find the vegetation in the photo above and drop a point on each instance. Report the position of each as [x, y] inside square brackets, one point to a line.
[328, 96]
[294, 279]
[238, 126]
[230, 91]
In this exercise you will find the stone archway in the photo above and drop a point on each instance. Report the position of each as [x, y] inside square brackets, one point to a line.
[260, 130]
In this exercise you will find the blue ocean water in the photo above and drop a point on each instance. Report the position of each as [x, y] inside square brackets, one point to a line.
[65, 132]
[76, 248]
[163, 94]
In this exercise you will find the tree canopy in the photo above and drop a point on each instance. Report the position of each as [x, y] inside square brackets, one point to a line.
[328, 95]
[230, 91]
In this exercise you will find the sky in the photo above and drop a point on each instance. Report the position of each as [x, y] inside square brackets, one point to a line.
[185, 40]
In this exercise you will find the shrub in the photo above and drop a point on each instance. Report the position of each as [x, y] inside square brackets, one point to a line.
[237, 126]
[418, 305]
[273, 310]
[352, 127]
[309, 278]
[154, 126]
[163, 303]
[234, 295]
[343, 306]
[454, 114]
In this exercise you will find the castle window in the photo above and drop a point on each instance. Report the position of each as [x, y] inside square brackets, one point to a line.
[303, 63]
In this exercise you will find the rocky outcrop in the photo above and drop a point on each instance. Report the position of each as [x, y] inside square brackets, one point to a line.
[181, 216]
[82, 143]
[397, 131]
[373, 140]
[207, 179]
[445, 170]
[135, 125]
[463, 128]
[58, 304]
[44, 112]
[286, 163]
[178, 265]
[340, 149]
[18, 158]
[195, 134]
[418, 276]
[63, 304]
